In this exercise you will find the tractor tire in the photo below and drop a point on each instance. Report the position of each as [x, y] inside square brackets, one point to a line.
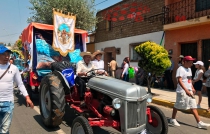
[160, 124]
[52, 101]
[81, 125]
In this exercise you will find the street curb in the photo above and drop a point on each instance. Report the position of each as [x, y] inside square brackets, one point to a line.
[201, 112]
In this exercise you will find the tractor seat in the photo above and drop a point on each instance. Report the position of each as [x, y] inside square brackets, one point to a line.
[60, 66]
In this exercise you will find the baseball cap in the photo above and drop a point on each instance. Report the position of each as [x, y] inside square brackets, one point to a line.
[188, 58]
[4, 49]
[181, 56]
[199, 63]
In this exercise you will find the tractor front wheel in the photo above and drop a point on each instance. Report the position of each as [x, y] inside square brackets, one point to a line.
[81, 125]
[159, 124]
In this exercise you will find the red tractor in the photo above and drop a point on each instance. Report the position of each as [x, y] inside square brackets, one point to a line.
[109, 102]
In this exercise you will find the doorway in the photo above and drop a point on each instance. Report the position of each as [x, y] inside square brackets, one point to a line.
[109, 52]
[205, 52]
[190, 49]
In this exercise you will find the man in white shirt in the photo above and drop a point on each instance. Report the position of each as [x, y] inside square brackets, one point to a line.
[98, 62]
[9, 73]
[185, 93]
[82, 68]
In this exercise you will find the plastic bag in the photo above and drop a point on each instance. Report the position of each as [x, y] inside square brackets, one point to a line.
[131, 72]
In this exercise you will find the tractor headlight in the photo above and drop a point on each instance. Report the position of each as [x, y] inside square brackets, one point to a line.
[149, 99]
[116, 103]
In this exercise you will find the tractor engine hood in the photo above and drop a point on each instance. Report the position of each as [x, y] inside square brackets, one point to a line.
[118, 88]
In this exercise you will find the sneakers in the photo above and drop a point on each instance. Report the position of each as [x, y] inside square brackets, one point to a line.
[198, 106]
[203, 125]
[174, 122]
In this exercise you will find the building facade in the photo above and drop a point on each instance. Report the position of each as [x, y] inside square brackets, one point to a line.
[126, 25]
[91, 43]
[187, 28]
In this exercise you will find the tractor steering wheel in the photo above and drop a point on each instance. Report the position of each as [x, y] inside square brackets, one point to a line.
[93, 73]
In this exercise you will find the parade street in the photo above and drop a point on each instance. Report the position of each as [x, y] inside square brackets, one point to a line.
[28, 121]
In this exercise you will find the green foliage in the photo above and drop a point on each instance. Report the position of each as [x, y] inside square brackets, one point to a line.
[19, 44]
[154, 58]
[42, 11]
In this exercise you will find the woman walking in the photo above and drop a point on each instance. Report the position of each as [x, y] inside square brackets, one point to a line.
[198, 80]
[207, 84]
[124, 75]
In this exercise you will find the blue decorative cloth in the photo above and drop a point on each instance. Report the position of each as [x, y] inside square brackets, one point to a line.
[69, 75]
[44, 48]
[75, 56]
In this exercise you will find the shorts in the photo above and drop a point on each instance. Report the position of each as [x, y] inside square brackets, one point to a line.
[198, 85]
[6, 112]
[184, 102]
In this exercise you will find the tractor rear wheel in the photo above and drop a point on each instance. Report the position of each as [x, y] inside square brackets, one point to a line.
[52, 101]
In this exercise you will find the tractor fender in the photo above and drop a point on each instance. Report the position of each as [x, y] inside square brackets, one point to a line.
[63, 79]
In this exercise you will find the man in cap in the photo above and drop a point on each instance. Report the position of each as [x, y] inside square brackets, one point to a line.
[180, 60]
[8, 74]
[82, 68]
[185, 93]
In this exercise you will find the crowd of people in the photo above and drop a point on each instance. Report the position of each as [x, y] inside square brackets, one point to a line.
[186, 87]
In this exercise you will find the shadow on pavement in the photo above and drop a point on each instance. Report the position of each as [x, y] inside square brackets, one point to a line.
[38, 118]
[181, 123]
[21, 100]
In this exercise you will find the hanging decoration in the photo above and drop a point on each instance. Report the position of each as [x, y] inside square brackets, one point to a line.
[136, 11]
[63, 35]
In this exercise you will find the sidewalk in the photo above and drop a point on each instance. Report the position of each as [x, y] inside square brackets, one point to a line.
[167, 98]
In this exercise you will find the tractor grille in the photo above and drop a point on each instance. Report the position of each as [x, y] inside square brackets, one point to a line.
[134, 117]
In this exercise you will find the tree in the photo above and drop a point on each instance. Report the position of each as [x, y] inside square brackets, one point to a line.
[153, 59]
[18, 44]
[42, 11]
[9, 44]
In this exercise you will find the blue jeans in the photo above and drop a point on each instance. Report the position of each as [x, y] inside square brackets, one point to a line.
[126, 77]
[6, 112]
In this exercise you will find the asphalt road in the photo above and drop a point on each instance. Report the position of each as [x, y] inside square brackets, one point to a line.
[28, 121]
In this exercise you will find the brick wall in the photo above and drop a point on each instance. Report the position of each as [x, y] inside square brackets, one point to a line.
[135, 14]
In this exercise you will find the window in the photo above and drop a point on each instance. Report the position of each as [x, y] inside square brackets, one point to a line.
[201, 5]
[108, 25]
[134, 57]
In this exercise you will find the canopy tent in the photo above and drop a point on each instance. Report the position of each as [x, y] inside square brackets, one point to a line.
[29, 38]
[27, 34]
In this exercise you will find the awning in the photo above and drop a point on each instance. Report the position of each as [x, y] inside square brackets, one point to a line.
[27, 32]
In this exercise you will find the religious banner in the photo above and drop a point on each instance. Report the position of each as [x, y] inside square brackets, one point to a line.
[63, 35]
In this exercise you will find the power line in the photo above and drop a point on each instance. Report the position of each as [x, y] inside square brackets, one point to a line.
[9, 34]
[100, 3]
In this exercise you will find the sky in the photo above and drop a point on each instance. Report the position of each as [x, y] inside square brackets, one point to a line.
[14, 14]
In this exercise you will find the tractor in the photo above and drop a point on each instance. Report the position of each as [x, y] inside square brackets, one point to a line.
[109, 102]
